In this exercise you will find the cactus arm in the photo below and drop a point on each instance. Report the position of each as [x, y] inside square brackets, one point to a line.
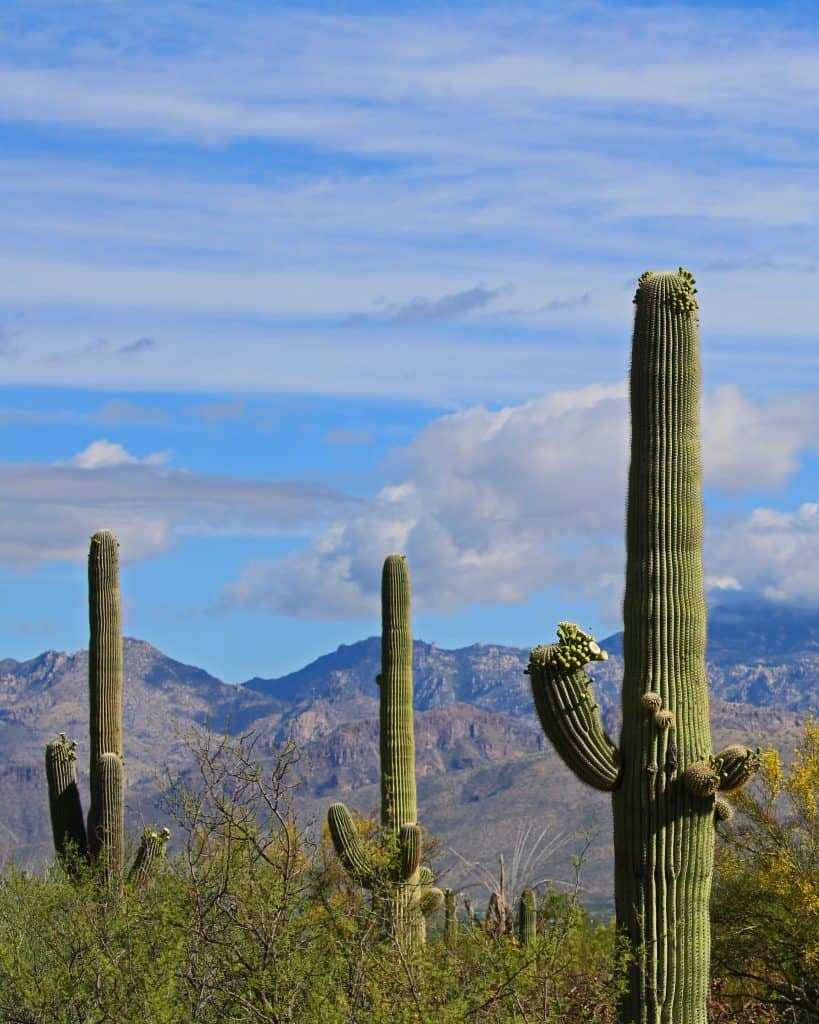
[149, 855]
[425, 875]
[563, 699]
[348, 846]
[64, 804]
[432, 899]
[723, 810]
[110, 821]
[409, 851]
[738, 765]
[527, 918]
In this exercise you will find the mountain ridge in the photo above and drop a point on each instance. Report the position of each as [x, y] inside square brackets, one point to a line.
[483, 764]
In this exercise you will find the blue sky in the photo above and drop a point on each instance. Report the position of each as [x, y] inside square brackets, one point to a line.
[284, 288]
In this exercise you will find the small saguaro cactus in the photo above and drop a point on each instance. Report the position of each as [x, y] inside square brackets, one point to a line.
[527, 918]
[151, 851]
[496, 921]
[450, 916]
[103, 843]
[663, 778]
[404, 891]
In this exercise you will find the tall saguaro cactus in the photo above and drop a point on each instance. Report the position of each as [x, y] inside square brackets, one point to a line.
[405, 886]
[106, 816]
[663, 777]
[104, 841]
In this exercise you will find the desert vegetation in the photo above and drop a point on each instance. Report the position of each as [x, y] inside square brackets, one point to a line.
[252, 917]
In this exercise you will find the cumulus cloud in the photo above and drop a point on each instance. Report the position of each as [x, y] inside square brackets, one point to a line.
[48, 511]
[491, 503]
[103, 454]
[773, 552]
[498, 505]
[754, 446]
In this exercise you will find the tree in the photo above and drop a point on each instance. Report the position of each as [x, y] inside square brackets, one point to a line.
[766, 897]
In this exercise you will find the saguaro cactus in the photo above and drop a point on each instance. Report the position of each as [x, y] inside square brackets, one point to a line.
[104, 840]
[663, 777]
[405, 889]
[106, 816]
[527, 918]
[450, 917]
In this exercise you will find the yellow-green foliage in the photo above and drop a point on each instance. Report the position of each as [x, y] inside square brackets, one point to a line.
[766, 897]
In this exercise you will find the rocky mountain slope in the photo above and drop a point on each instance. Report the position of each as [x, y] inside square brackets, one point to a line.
[485, 770]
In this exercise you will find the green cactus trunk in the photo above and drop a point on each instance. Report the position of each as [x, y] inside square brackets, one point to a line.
[109, 799]
[104, 678]
[399, 807]
[663, 836]
[398, 796]
[450, 917]
[527, 918]
[663, 777]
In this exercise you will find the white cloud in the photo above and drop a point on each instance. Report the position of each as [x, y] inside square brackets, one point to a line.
[103, 454]
[755, 445]
[495, 506]
[489, 505]
[773, 552]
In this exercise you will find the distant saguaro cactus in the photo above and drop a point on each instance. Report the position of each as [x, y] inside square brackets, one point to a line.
[663, 776]
[103, 843]
[527, 918]
[405, 889]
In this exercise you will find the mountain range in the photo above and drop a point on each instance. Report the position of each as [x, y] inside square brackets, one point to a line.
[488, 780]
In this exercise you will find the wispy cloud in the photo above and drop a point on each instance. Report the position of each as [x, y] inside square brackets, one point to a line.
[220, 412]
[121, 410]
[48, 510]
[425, 310]
[9, 349]
[139, 345]
[424, 152]
[344, 437]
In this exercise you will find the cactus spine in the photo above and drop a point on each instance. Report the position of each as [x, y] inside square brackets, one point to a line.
[407, 893]
[104, 841]
[663, 833]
